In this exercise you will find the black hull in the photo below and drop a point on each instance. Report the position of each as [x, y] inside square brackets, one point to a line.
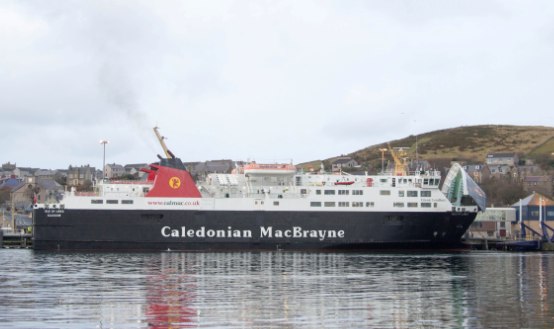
[245, 230]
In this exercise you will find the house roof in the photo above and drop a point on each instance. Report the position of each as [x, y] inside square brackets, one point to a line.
[474, 167]
[10, 183]
[49, 184]
[501, 155]
[342, 160]
[45, 172]
[115, 166]
[19, 186]
[534, 199]
[136, 166]
[537, 179]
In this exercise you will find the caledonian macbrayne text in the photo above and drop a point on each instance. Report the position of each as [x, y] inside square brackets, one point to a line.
[295, 232]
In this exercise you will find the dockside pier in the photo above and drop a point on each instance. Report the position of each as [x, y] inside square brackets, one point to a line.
[15, 239]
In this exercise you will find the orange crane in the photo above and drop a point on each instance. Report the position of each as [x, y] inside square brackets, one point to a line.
[399, 165]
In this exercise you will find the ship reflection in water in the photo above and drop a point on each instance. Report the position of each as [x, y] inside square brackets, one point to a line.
[276, 290]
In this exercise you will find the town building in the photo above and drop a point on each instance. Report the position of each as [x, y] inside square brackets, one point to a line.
[343, 163]
[213, 166]
[8, 166]
[114, 171]
[21, 196]
[81, 176]
[493, 223]
[540, 184]
[45, 173]
[502, 159]
[477, 172]
[134, 170]
[531, 211]
[529, 170]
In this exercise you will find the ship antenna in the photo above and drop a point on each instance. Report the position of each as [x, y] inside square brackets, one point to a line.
[416, 153]
[168, 153]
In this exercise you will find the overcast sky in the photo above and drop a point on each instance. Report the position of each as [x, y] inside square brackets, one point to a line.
[262, 80]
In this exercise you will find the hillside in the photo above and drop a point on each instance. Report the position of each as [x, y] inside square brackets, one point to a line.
[470, 143]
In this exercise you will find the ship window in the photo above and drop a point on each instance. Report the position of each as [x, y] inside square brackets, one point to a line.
[112, 201]
[329, 204]
[370, 204]
[318, 192]
[398, 204]
[97, 201]
[329, 192]
[315, 204]
[303, 191]
[145, 189]
[412, 204]
[275, 203]
[383, 180]
[343, 192]
[357, 204]
[126, 201]
[384, 192]
[425, 194]
[425, 205]
[344, 204]
[435, 205]
[357, 192]
[426, 181]
[401, 194]
[412, 193]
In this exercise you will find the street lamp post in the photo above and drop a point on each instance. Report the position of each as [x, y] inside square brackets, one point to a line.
[104, 142]
[383, 150]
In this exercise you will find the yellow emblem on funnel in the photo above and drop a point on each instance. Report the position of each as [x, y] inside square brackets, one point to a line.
[174, 182]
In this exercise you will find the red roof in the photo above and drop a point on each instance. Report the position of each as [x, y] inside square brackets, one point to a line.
[534, 199]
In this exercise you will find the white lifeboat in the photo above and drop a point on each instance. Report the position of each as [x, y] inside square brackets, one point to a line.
[276, 169]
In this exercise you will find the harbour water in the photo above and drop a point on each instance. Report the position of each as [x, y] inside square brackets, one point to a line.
[276, 290]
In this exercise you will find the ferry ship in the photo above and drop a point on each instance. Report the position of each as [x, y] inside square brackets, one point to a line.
[262, 207]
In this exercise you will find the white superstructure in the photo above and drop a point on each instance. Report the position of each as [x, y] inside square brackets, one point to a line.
[264, 190]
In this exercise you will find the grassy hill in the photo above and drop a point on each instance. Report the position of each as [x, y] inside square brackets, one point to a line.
[470, 143]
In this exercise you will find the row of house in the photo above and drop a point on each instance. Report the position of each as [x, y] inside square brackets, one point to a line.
[12, 176]
[532, 177]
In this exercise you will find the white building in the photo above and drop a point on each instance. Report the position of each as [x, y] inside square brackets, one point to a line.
[493, 223]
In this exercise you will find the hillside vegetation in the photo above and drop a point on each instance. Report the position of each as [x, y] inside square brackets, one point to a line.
[470, 143]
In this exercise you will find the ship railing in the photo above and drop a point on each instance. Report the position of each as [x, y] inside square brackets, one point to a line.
[131, 182]
[280, 166]
[274, 195]
[84, 193]
[425, 173]
[421, 173]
